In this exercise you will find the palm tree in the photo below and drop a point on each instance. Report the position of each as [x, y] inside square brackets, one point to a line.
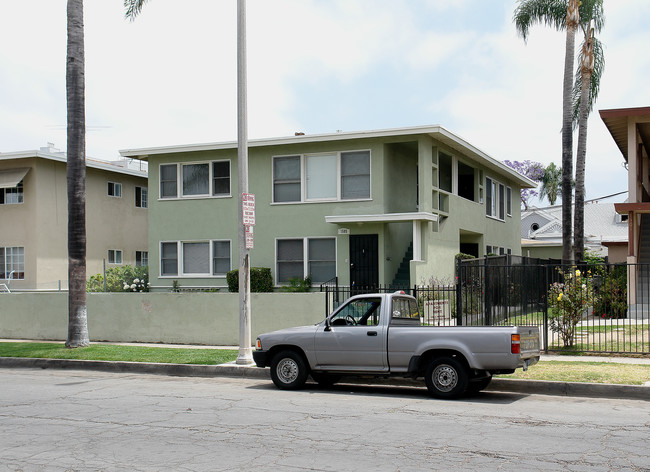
[133, 8]
[585, 91]
[560, 14]
[76, 178]
[551, 181]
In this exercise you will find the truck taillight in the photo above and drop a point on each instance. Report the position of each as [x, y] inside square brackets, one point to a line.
[515, 343]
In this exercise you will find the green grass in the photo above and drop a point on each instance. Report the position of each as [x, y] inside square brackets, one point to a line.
[594, 372]
[110, 352]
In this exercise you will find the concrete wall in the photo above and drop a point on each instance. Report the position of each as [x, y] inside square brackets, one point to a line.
[183, 318]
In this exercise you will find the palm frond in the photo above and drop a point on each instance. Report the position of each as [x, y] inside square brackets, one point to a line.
[592, 10]
[133, 8]
[546, 12]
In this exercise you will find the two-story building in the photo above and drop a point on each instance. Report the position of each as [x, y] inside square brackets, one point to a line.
[34, 218]
[371, 208]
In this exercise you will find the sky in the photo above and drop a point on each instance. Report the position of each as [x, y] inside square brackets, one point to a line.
[315, 66]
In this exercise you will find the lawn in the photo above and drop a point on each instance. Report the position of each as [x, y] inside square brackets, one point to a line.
[110, 352]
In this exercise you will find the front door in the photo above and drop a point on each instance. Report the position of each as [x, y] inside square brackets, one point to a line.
[364, 262]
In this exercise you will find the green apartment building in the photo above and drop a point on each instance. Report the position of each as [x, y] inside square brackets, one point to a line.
[384, 207]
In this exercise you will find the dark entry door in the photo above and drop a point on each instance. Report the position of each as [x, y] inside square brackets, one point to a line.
[364, 263]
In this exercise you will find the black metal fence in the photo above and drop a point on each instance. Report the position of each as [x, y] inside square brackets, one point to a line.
[596, 308]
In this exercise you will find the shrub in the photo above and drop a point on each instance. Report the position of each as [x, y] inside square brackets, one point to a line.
[261, 280]
[567, 301]
[121, 279]
[296, 284]
[611, 301]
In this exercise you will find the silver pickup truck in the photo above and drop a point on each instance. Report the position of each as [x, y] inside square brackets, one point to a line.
[382, 335]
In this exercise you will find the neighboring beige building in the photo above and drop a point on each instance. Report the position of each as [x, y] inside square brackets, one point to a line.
[33, 218]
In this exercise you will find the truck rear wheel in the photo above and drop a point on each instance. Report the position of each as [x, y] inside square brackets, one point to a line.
[289, 370]
[446, 378]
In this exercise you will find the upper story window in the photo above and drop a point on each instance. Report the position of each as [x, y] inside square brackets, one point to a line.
[11, 185]
[322, 177]
[114, 189]
[201, 179]
[12, 195]
[141, 197]
[497, 199]
[12, 263]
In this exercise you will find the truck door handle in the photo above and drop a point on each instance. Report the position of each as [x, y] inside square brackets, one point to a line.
[372, 333]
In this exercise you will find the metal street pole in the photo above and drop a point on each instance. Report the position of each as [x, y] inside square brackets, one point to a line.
[245, 356]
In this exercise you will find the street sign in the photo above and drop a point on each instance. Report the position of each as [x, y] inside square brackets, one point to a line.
[248, 202]
[249, 237]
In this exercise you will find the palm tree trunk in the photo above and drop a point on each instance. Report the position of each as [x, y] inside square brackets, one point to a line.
[76, 178]
[586, 70]
[567, 131]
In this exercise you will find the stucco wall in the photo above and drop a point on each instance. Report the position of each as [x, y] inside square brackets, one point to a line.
[185, 318]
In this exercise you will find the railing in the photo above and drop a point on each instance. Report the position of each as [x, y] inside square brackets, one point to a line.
[597, 308]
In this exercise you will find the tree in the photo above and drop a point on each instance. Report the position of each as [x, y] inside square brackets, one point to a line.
[532, 170]
[76, 178]
[585, 90]
[551, 182]
[133, 8]
[561, 14]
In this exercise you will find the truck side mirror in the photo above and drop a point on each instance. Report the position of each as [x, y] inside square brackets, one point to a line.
[327, 324]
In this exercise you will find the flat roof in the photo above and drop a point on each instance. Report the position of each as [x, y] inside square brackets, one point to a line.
[61, 157]
[435, 131]
[616, 120]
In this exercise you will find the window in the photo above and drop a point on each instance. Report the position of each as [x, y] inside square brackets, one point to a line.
[466, 181]
[141, 258]
[198, 258]
[286, 179]
[168, 181]
[169, 259]
[114, 256]
[364, 312]
[508, 201]
[141, 197]
[445, 172]
[114, 189]
[322, 177]
[495, 199]
[12, 259]
[306, 257]
[220, 257]
[404, 309]
[12, 195]
[202, 179]
[221, 178]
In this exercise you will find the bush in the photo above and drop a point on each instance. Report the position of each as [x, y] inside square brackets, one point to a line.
[296, 284]
[121, 279]
[567, 301]
[261, 280]
[611, 301]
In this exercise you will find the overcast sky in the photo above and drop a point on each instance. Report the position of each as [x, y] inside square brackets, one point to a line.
[315, 66]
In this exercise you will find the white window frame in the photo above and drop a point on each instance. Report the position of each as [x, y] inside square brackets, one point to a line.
[509, 201]
[144, 196]
[13, 265]
[180, 262]
[179, 180]
[305, 256]
[303, 158]
[117, 189]
[113, 254]
[17, 197]
[144, 257]
[497, 202]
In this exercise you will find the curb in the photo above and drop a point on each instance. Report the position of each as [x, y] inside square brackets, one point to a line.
[529, 387]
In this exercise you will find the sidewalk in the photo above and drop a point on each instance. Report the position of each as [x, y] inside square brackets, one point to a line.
[528, 387]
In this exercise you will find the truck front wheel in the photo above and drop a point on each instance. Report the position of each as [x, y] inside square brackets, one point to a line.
[289, 370]
[446, 378]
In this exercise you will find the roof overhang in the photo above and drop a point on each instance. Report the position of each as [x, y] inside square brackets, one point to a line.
[625, 208]
[436, 132]
[617, 121]
[382, 218]
[10, 178]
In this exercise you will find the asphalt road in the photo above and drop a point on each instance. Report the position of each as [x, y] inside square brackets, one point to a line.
[89, 420]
